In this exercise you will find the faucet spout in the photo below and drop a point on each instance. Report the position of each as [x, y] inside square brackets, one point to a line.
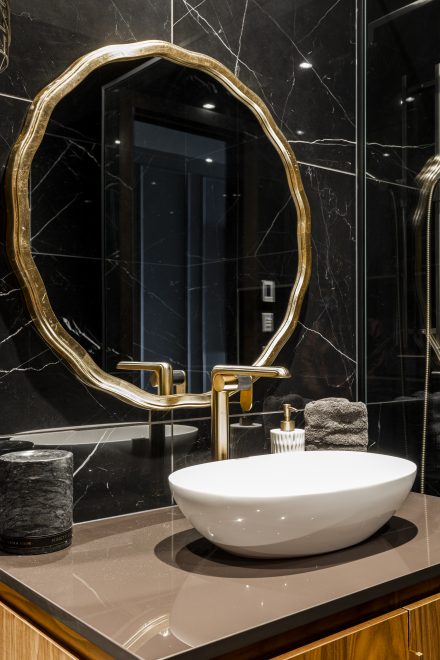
[227, 379]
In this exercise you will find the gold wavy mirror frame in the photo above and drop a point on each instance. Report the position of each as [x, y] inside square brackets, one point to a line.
[19, 220]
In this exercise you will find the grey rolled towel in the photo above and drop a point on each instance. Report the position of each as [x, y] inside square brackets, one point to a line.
[336, 424]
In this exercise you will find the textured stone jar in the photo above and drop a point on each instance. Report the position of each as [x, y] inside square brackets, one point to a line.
[36, 501]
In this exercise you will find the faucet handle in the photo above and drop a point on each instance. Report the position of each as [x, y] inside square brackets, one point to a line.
[163, 376]
[229, 373]
[240, 378]
[179, 381]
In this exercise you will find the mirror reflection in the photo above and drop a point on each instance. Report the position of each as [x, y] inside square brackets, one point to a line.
[177, 205]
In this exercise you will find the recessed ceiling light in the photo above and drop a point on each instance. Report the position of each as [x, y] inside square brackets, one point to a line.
[306, 65]
[410, 99]
[117, 141]
[209, 106]
[208, 160]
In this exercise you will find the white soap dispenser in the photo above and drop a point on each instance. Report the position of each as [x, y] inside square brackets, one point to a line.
[287, 438]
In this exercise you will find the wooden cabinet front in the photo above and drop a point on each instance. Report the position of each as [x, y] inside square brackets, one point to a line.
[411, 632]
[424, 628]
[19, 640]
[383, 638]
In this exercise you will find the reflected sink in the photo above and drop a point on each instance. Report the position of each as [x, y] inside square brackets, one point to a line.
[100, 434]
[292, 504]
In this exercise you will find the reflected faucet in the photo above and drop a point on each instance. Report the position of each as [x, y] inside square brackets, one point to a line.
[163, 376]
[227, 379]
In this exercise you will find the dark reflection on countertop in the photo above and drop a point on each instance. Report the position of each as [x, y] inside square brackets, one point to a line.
[192, 553]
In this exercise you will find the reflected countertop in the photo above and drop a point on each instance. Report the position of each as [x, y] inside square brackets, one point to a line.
[147, 585]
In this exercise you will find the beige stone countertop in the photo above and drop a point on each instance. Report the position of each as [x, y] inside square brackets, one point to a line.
[147, 585]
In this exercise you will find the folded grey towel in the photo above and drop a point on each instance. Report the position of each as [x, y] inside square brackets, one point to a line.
[336, 424]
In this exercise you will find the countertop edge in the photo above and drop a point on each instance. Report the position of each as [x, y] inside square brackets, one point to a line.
[311, 615]
[239, 640]
[77, 625]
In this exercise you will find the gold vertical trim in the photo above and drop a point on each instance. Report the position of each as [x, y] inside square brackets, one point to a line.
[17, 200]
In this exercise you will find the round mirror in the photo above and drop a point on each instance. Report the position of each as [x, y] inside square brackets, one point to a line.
[157, 216]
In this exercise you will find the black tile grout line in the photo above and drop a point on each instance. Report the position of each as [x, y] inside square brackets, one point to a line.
[390, 401]
[233, 416]
[360, 202]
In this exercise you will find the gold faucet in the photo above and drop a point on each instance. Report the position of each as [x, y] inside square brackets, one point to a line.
[227, 379]
[163, 376]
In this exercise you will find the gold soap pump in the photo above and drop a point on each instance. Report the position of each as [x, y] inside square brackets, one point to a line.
[287, 437]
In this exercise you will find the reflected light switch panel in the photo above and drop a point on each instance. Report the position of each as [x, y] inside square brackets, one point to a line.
[267, 290]
[267, 322]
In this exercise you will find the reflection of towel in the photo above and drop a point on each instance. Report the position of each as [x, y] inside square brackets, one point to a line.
[336, 424]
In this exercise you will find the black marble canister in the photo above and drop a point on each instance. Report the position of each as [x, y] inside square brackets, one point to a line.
[36, 501]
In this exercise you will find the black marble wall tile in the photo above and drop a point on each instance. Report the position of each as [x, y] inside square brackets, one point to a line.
[199, 449]
[37, 390]
[119, 469]
[48, 36]
[316, 109]
[432, 464]
[322, 352]
[395, 428]
[394, 318]
[12, 114]
[401, 126]
[265, 42]
[65, 197]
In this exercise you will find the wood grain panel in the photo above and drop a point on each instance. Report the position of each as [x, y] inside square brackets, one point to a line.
[50, 626]
[383, 638]
[19, 640]
[305, 634]
[424, 628]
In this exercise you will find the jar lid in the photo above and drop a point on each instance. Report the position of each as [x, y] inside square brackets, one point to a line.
[8, 445]
[29, 456]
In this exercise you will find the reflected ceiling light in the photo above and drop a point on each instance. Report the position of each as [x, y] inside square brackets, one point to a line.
[386, 155]
[153, 183]
[208, 160]
[306, 65]
[298, 132]
[410, 99]
[117, 141]
[208, 106]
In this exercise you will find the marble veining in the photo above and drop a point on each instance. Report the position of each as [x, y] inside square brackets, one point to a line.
[316, 110]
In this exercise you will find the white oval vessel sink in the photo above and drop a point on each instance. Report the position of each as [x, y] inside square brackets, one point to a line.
[292, 504]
